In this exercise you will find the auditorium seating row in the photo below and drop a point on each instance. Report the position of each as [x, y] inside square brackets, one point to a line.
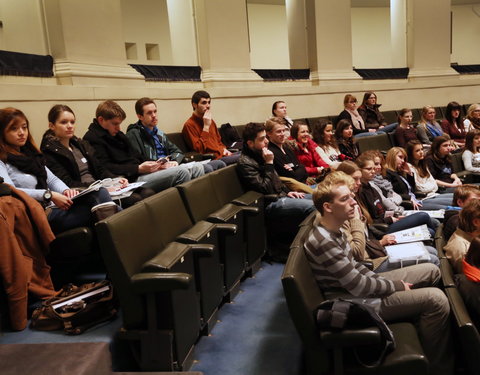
[175, 257]
[328, 352]
[466, 335]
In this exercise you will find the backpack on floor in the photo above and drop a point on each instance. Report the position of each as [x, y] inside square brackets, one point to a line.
[76, 308]
[339, 314]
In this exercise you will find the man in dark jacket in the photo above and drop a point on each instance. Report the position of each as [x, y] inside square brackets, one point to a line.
[255, 168]
[115, 152]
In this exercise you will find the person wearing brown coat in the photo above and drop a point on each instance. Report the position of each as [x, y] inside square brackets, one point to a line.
[24, 241]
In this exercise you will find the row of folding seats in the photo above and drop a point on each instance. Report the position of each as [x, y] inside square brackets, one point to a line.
[466, 335]
[175, 257]
[328, 352]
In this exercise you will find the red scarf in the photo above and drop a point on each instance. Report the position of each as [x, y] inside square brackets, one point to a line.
[472, 273]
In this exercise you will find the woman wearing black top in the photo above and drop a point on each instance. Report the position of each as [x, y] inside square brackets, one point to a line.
[72, 159]
[439, 164]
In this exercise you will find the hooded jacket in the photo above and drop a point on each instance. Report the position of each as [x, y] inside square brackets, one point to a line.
[144, 143]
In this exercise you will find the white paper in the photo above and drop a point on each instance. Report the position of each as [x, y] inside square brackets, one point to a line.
[437, 214]
[419, 233]
[408, 251]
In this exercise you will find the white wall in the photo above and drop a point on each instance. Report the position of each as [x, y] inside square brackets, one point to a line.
[146, 22]
[21, 18]
[268, 36]
[371, 38]
[465, 34]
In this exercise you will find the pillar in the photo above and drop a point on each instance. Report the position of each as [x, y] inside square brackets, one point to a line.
[428, 38]
[86, 40]
[330, 40]
[297, 36]
[222, 42]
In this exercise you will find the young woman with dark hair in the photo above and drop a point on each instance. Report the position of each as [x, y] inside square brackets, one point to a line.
[405, 132]
[439, 164]
[452, 124]
[345, 141]
[425, 183]
[73, 159]
[327, 145]
[23, 166]
[373, 118]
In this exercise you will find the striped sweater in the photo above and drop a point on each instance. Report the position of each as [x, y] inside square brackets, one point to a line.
[333, 266]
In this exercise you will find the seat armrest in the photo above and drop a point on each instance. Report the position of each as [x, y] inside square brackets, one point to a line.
[249, 198]
[250, 210]
[201, 231]
[351, 337]
[232, 228]
[151, 282]
[202, 249]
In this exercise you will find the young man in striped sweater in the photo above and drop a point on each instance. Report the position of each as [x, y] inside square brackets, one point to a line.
[406, 293]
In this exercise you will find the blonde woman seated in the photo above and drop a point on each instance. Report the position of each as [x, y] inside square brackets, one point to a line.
[471, 155]
[473, 118]
[327, 145]
[428, 128]
[468, 229]
[401, 175]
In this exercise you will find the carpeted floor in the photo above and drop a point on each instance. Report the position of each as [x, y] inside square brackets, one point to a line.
[254, 335]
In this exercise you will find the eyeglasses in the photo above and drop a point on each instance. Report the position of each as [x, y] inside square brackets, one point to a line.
[352, 101]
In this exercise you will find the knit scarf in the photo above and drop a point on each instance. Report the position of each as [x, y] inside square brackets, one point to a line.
[30, 162]
[472, 273]
[357, 120]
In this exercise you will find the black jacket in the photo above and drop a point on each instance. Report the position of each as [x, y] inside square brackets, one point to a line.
[399, 185]
[372, 201]
[114, 152]
[258, 176]
[62, 163]
[298, 171]
[372, 116]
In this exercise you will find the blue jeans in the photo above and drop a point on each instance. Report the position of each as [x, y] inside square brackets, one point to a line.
[161, 180]
[414, 220]
[437, 203]
[213, 165]
[78, 215]
[294, 209]
[231, 159]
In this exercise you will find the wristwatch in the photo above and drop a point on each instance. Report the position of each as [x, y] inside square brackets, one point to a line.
[47, 196]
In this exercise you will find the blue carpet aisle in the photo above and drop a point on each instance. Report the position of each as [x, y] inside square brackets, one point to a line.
[255, 335]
